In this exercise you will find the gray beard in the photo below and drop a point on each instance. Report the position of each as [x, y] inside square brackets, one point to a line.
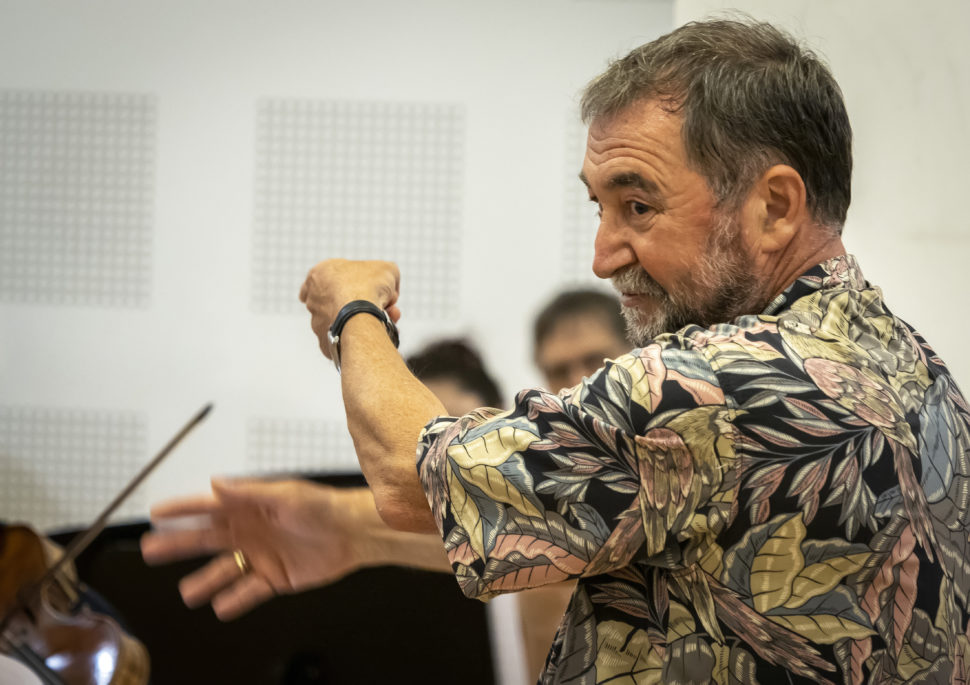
[722, 287]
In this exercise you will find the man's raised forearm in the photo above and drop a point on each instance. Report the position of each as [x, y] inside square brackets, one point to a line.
[386, 405]
[386, 409]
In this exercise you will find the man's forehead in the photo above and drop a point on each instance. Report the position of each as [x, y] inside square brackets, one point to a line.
[645, 129]
[640, 115]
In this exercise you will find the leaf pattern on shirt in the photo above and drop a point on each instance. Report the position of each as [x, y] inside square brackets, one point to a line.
[783, 496]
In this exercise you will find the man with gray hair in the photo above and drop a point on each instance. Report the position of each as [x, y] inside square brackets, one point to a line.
[774, 486]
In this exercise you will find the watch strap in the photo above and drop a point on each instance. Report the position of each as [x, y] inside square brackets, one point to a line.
[351, 309]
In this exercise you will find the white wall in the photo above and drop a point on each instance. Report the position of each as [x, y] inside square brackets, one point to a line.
[510, 69]
[904, 68]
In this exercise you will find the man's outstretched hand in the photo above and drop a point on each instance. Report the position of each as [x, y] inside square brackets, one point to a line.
[294, 535]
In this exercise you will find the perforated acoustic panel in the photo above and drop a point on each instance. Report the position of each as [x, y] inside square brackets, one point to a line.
[63, 466]
[299, 446]
[579, 220]
[360, 181]
[76, 188]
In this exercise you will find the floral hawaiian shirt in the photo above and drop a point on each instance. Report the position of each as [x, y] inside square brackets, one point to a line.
[785, 498]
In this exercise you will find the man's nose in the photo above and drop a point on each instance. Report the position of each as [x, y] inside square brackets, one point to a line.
[612, 250]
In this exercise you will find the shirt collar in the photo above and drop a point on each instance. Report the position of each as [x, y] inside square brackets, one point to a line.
[839, 272]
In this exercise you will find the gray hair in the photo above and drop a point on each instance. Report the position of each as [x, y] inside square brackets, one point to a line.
[750, 97]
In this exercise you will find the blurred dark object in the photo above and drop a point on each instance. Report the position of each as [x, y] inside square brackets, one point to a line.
[379, 625]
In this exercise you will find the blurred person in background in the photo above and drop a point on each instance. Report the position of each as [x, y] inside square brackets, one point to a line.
[572, 336]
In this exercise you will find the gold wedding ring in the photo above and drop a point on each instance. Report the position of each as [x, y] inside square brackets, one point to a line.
[240, 559]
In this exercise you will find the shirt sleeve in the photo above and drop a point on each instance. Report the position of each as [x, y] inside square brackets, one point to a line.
[583, 482]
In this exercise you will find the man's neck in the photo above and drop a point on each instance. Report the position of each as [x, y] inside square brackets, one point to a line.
[798, 257]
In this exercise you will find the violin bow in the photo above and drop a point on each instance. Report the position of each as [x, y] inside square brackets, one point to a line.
[80, 541]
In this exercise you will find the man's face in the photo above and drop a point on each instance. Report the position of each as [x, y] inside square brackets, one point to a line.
[673, 257]
[576, 347]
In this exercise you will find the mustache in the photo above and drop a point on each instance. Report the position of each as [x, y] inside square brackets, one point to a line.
[634, 280]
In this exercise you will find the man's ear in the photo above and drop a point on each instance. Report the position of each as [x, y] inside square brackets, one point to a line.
[775, 208]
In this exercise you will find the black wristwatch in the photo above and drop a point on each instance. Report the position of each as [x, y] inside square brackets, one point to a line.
[347, 311]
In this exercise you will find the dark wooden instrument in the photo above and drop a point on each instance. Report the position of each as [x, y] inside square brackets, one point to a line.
[45, 627]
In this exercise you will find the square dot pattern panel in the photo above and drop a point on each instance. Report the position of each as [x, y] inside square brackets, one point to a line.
[76, 198]
[63, 467]
[299, 446]
[579, 221]
[360, 181]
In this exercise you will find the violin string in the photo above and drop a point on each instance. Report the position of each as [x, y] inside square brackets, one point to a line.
[80, 542]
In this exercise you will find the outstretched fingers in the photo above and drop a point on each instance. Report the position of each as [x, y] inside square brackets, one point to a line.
[200, 586]
[195, 505]
[164, 546]
[246, 593]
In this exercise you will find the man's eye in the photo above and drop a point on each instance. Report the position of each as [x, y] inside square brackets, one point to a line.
[639, 208]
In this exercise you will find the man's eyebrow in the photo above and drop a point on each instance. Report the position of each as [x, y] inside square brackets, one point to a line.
[631, 179]
[628, 179]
